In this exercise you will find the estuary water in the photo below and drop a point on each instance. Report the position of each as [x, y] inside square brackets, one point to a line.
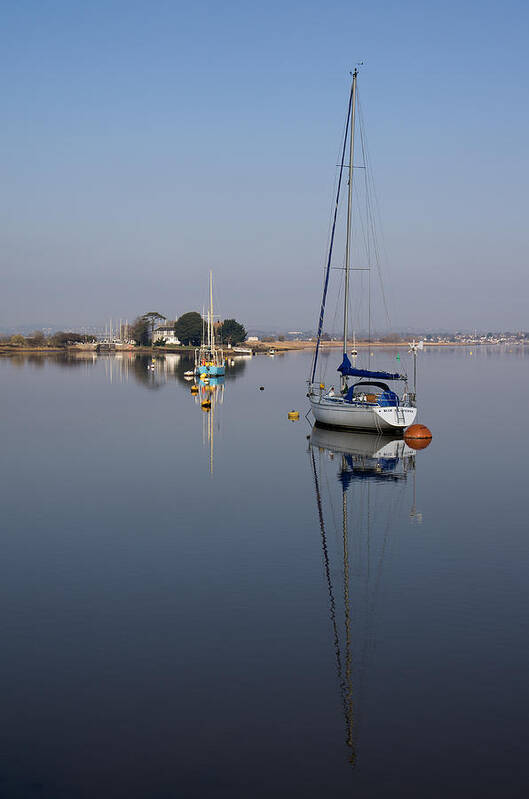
[218, 602]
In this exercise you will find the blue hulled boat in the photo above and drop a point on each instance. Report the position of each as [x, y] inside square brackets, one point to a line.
[209, 358]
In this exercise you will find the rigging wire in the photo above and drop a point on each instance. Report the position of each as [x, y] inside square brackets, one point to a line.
[327, 271]
[372, 204]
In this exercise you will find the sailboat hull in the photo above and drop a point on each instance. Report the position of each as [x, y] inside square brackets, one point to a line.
[337, 413]
[214, 371]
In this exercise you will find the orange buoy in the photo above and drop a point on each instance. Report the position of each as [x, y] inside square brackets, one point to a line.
[418, 443]
[418, 436]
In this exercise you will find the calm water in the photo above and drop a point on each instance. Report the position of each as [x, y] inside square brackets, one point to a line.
[202, 603]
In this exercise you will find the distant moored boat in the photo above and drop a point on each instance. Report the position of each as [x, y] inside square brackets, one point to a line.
[209, 359]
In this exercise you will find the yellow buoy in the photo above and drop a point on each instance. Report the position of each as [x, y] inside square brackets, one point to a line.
[293, 416]
[194, 389]
[322, 386]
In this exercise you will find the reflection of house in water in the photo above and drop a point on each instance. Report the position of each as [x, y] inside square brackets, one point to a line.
[360, 483]
[168, 363]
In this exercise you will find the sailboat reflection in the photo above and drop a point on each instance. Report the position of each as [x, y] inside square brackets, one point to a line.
[366, 476]
[209, 394]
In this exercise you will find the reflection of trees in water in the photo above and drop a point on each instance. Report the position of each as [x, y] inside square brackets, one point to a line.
[173, 366]
[70, 360]
[17, 360]
[65, 359]
[36, 360]
[138, 366]
[167, 366]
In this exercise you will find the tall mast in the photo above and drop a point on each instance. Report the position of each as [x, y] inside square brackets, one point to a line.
[349, 217]
[210, 309]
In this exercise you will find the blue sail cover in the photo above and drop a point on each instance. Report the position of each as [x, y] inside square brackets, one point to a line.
[347, 370]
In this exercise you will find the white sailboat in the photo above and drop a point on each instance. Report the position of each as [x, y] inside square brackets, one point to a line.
[368, 403]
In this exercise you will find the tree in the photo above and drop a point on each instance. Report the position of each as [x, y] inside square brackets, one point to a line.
[17, 339]
[232, 332]
[188, 328]
[139, 331]
[61, 339]
[37, 339]
[151, 318]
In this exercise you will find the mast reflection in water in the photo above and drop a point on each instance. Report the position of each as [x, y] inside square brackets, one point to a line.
[360, 482]
[209, 393]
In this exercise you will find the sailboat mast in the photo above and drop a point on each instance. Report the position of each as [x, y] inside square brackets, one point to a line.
[349, 217]
[210, 309]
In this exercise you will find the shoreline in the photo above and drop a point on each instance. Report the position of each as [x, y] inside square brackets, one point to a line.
[257, 348]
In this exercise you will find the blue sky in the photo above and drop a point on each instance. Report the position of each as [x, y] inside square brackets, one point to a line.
[147, 142]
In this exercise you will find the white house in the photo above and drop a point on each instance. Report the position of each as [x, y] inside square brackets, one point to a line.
[165, 331]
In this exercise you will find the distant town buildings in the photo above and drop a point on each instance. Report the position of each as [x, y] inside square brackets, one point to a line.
[477, 338]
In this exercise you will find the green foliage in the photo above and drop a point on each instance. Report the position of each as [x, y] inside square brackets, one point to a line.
[232, 332]
[61, 339]
[37, 339]
[188, 328]
[152, 318]
[142, 329]
[17, 339]
[139, 331]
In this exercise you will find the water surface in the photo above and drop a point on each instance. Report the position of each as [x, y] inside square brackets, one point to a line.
[184, 613]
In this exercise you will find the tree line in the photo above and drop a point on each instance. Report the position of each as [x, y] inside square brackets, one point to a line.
[189, 329]
[39, 339]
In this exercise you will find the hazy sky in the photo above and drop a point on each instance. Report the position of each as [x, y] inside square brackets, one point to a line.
[144, 143]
